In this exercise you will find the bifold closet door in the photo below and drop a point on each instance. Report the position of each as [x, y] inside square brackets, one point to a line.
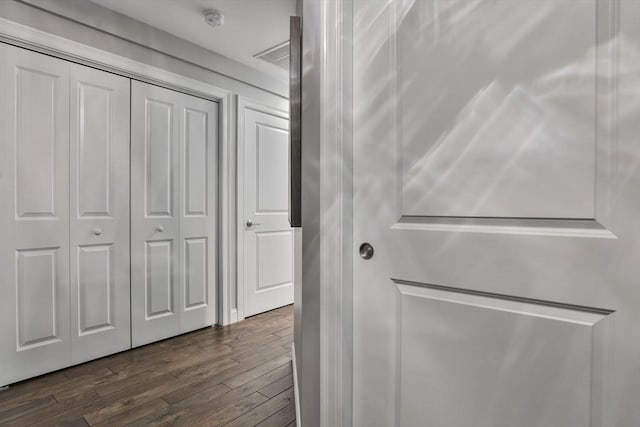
[34, 209]
[64, 214]
[174, 147]
[99, 215]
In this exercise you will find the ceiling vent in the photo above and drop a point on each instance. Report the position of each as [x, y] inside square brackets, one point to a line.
[277, 55]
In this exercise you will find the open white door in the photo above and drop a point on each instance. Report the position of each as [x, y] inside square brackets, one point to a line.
[497, 179]
[267, 255]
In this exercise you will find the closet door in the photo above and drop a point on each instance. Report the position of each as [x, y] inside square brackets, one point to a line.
[34, 214]
[99, 215]
[155, 157]
[174, 151]
[198, 153]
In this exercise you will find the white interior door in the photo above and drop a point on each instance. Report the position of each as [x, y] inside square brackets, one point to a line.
[34, 206]
[173, 193]
[99, 213]
[268, 239]
[496, 177]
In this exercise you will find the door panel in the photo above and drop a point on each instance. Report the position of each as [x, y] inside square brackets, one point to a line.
[159, 158]
[480, 349]
[159, 283]
[155, 272]
[37, 286]
[522, 145]
[174, 155]
[196, 171]
[198, 219]
[272, 145]
[95, 289]
[34, 195]
[495, 174]
[196, 273]
[268, 242]
[274, 259]
[37, 96]
[94, 147]
[99, 215]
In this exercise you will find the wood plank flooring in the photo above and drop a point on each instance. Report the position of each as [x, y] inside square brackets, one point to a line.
[237, 375]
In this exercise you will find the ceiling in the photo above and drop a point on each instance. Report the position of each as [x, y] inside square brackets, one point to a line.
[250, 26]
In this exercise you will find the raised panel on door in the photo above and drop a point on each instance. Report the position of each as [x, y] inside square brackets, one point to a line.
[460, 354]
[271, 145]
[36, 306]
[159, 188]
[34, 195]
[518, 145]
[268, 241]
[271, 286]
[495, 175]
[95, 290]
[99, 213]
[159, 279]
[155, 244]
[198, 236]
[196, 272]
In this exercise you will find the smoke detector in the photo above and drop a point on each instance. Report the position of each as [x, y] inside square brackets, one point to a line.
[213, 17]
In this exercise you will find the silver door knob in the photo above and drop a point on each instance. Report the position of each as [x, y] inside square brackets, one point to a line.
[159, 229]
[251, 223]
[366, 251]
[97, 231]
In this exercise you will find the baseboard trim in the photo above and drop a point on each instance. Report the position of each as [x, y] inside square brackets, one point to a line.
[296, 387]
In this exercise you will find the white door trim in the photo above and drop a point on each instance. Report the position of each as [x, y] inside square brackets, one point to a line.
[336, 199]
[244, 103]
[33, 39]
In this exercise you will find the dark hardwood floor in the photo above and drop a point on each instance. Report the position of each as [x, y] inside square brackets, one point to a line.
[237, 375]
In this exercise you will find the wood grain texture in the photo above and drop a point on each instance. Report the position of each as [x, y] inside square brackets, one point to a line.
[234, 375]
[295, 111]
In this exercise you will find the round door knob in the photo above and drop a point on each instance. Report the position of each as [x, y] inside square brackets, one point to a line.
[366, 251]
[251, 223]
[97, 231]
[159, 229]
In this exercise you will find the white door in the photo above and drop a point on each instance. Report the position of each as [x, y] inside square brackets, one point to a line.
[34, 214]
[198, 218]
[267, 256]
[496, 177]
[173, 222]
[155, 292]
[99, 213]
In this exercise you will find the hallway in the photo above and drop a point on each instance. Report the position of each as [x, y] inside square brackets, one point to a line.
[237, 375]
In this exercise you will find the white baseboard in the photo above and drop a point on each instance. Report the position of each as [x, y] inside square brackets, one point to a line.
[296, 388]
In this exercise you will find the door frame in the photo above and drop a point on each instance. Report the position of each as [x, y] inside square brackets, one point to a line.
[244, 103]
[336, 248]
[33, 39]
